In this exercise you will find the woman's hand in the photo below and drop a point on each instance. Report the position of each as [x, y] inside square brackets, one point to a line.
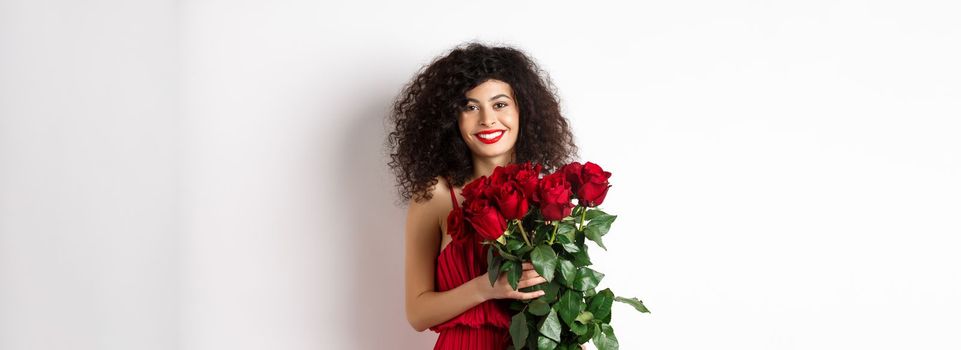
[502, 289]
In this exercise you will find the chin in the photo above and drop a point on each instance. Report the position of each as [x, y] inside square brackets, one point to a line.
[493, 153]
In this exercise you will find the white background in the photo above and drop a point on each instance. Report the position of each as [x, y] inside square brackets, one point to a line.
[211, 174]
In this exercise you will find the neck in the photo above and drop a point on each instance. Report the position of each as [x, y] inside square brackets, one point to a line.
[485, 166]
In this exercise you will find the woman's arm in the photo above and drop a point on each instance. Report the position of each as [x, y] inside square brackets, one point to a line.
[426, 307]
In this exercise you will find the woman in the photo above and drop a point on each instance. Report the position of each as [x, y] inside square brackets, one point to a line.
[467, 112]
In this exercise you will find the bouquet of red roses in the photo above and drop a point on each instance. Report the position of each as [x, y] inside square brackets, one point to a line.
[525, 217]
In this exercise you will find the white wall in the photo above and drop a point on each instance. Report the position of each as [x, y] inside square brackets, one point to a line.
[783, 172]
[88, 188]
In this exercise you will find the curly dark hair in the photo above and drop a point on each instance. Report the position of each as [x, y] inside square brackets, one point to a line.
[426, 141]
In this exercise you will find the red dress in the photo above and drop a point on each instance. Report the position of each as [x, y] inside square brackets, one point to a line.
[484, 326]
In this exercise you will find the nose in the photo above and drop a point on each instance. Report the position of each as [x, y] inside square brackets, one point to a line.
[487, 118]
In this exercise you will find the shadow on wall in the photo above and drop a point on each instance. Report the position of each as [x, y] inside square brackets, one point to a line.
[376, 287]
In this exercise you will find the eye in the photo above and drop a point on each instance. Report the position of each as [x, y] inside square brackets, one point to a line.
[469, 107]
[501, 104]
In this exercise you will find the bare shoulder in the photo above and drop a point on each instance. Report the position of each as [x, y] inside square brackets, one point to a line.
[441, 188]
[438, 194]
[430, 211]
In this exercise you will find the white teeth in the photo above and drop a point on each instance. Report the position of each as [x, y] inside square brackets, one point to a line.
[490, 136]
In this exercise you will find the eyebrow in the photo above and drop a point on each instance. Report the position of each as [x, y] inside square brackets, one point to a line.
[492, 98]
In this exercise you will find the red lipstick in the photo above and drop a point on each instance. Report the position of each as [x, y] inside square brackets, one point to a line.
[485, 133]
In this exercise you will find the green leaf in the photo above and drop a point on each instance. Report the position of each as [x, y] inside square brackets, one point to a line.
[593, 213]
[513, 245]
[550, 291]
[570, 247]
[506, 265]
[532, 339]
[637, 304]
[504, 253]
[524, 250]
[551, 327]
[568, 272]
[539, 307]
[545, 343]
[588, 334]
[545, 261]
[604, 337]
[598, 227]
[584, 317]
[569, 306]
[599, 338]
[514, 273]
[566, 230]
[542, 233]
[579, 328]
[601, 223]
[600, 304]
[493, 266]
[567, 242]
[587, 278]
[594, 236]
[581, 258]
[518, 330]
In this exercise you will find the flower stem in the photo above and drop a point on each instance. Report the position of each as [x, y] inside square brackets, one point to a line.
[583, 213]
[523, 233]
[553, 234]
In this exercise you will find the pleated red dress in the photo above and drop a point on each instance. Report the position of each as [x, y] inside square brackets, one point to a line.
[484, 326]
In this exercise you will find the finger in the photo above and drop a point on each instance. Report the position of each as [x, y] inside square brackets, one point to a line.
[529, 274]
[527, 296]
[531, 282]
[527, 266]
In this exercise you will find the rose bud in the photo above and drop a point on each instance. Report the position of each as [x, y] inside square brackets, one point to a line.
[594, 185]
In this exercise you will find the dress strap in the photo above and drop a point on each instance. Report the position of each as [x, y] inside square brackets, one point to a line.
[453, 198]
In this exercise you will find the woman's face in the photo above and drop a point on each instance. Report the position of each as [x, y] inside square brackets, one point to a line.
[490, 107]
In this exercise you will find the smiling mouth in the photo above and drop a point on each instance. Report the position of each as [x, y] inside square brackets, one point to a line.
[490, 137]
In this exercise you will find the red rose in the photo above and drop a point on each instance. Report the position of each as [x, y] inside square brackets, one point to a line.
[554, 195]
[511, 201]
[475, 189]
[527, 177]
[594, 185]
[486, 219]
[502, 174]
[455, 224]
[572, 172]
